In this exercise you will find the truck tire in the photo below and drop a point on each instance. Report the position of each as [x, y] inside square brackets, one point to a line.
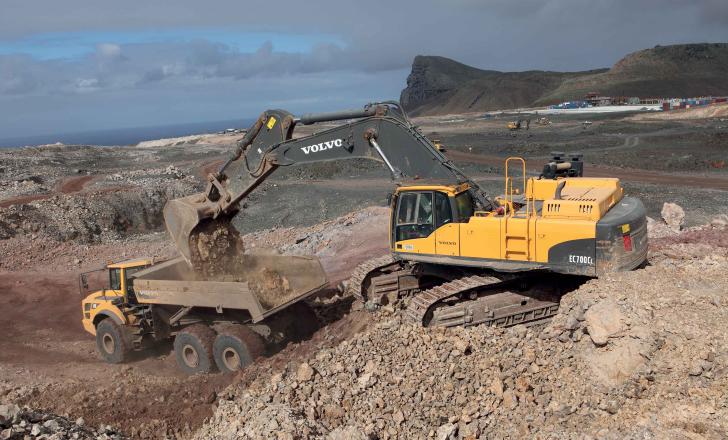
[112, 341]
[193, 349]
[236, 346]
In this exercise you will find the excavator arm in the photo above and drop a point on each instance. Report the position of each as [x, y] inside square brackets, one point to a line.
[379, 131]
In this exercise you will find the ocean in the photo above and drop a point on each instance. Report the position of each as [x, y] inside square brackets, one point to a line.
[125, 136]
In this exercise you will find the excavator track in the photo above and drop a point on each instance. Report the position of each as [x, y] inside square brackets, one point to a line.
[497, 309]
[355, 286]
[421, 303]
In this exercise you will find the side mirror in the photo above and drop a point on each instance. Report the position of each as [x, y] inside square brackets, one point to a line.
[390, 196]
[84, 281]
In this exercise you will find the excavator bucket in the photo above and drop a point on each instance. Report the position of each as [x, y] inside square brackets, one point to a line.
[181, 217]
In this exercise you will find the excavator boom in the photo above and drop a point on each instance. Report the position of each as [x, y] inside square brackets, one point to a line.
[379, 131]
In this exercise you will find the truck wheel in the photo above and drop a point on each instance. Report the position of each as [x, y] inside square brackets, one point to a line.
[112, 341]
[236, 347]
[193, 349]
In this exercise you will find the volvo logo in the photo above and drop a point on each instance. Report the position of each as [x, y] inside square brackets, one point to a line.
[327, 145]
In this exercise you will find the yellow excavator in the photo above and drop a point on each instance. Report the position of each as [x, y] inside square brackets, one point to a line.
[458, 256]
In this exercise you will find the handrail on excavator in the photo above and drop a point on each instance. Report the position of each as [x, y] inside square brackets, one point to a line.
[508, 193]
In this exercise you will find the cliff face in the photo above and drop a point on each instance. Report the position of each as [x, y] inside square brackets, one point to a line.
[433, 76]
[438, 85]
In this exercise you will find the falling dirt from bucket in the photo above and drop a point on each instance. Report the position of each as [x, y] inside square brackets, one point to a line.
[216, 249]
[217, 254]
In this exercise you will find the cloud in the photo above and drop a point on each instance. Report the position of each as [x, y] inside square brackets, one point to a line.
[14, 75]
[366, 50]
[113, 66]
[377, 36]
[108, 50]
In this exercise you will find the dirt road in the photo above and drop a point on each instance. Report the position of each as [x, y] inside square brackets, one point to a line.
[66, 186]
[48, 352]
[626, 174]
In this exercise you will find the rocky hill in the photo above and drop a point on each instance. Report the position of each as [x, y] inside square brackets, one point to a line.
[438, 85]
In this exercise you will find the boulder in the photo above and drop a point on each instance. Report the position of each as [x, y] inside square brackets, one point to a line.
[448, 431]
[305, 372]
[8, 413]
[720, 221]
[603, 320]
[625, 356]
[674, 216]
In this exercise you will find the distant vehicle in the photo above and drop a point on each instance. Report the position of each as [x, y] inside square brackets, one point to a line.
[438, 145]
[517, 125]
[233, 131]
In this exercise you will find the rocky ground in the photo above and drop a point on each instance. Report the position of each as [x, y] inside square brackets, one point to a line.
[640, 354]
[24, 423]
[634, 355]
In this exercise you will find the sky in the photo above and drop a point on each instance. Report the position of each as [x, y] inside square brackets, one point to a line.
[78, 65]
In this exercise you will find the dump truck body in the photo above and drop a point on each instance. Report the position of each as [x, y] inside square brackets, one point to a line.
[172, 283]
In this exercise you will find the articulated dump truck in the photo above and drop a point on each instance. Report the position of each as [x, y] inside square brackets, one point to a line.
[216, 324]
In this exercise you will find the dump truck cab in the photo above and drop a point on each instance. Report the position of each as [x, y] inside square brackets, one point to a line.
[109, 301]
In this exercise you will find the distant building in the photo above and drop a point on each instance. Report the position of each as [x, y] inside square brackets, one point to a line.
[594, 99]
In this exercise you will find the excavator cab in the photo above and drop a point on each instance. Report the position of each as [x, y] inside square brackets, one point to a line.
[426, 217]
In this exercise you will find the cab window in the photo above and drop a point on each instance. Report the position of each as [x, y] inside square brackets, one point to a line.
[414, 216]
[129, 275]
[442, 208]
[115, 279]
[464, 206]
